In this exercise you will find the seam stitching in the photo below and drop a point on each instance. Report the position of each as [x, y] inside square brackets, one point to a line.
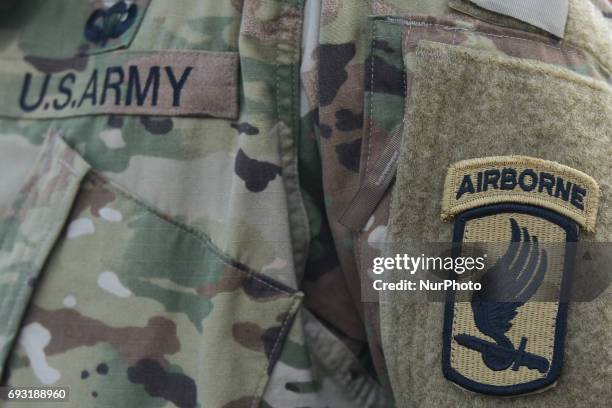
[439, 27]
[184, 228]
[284, 327]
[262, 381]
[102, 55]
[360, 234]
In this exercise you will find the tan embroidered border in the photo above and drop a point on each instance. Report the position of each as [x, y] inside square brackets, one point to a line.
[451, 206]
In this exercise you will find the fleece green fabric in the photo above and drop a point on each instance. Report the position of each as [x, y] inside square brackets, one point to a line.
[466, 104]
[586, 27]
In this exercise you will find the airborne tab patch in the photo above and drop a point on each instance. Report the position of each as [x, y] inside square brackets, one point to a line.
[521, 179]
[505, 340]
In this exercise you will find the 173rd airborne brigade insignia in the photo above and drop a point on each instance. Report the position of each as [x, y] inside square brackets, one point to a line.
[499, 340]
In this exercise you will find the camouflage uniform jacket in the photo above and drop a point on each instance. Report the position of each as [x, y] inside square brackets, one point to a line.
[172, 180]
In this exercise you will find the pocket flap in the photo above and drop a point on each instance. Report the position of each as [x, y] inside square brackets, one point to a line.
[29, 231]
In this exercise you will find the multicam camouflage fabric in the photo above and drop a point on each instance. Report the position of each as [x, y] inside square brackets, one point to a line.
[174, 278]
[366, 56]
[180, 310]
[167, 258]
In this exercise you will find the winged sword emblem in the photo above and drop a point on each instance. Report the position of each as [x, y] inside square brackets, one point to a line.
[515, 277]
[508, 337]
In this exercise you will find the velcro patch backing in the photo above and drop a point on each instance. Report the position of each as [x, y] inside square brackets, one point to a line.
[524, 180]
[160, 83]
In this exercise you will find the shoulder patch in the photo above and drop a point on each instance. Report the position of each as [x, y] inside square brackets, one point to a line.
[522, 180]
[504, 340]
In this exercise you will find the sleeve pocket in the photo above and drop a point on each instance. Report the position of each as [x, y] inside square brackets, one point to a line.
[475, 95]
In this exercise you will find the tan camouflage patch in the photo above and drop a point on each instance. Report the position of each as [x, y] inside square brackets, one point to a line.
[70, 330]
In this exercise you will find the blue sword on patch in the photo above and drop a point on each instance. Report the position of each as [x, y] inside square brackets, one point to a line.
[498, 356]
